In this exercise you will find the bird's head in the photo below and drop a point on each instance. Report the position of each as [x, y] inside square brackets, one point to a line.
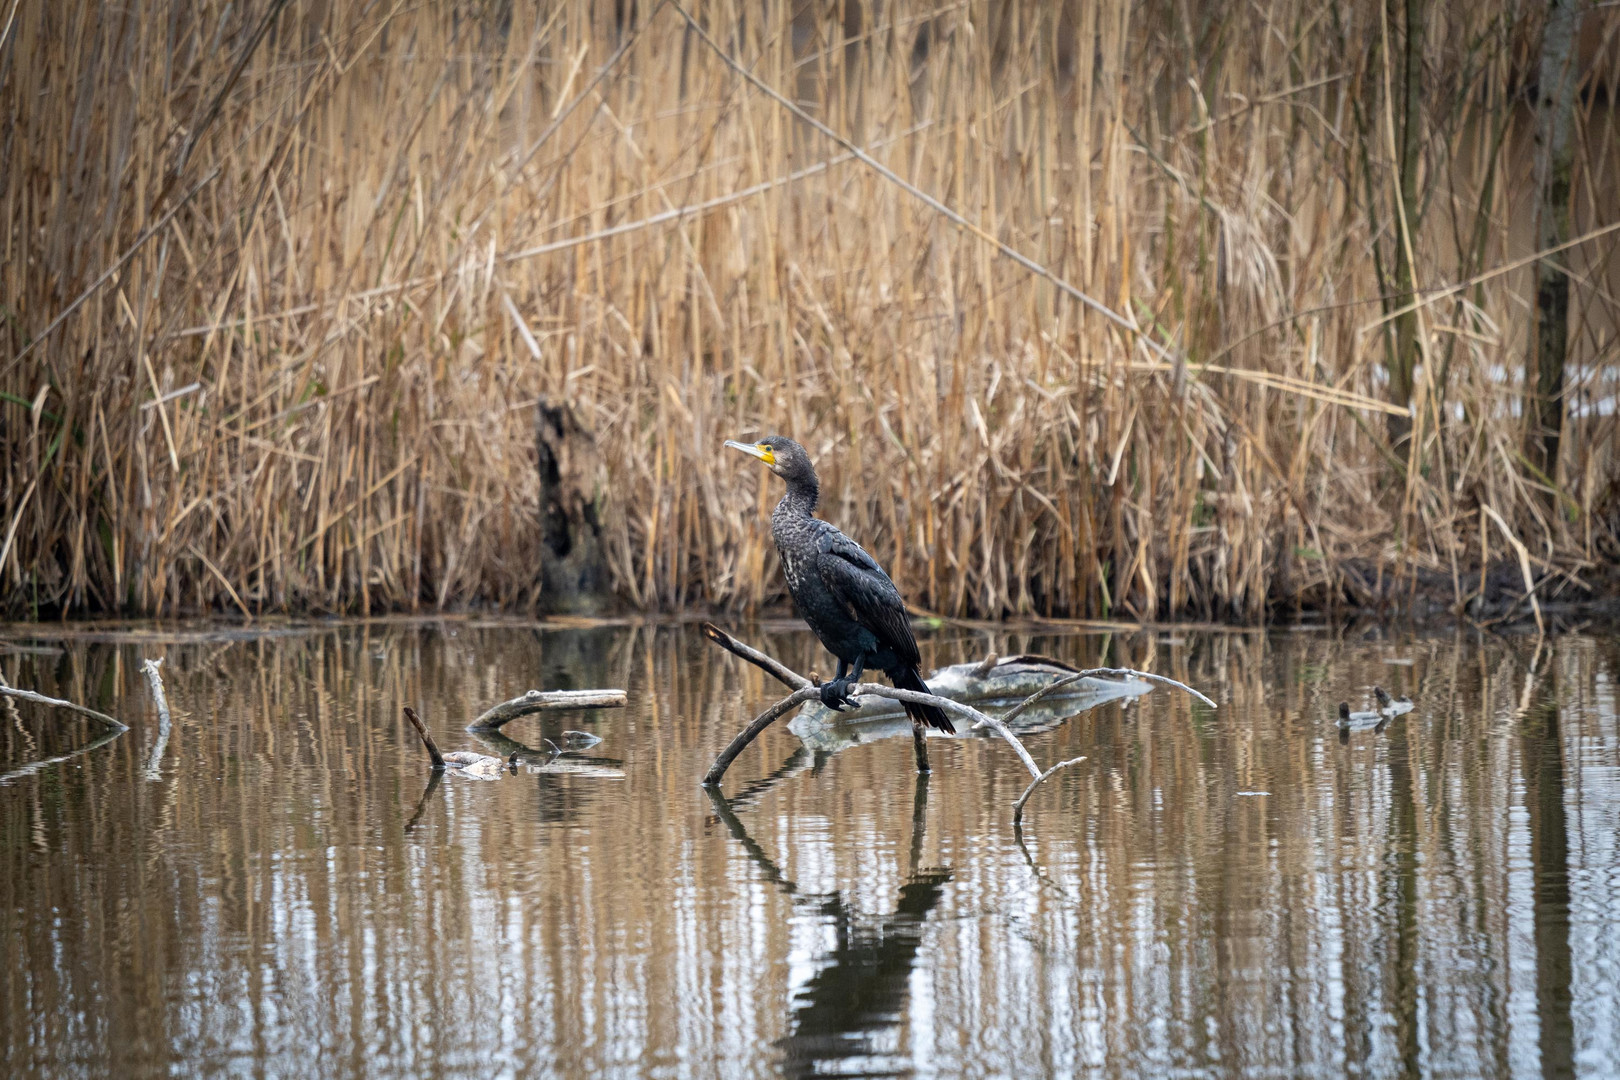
[782, 456]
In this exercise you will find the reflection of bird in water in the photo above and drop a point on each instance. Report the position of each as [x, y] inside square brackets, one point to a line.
[840, 590]
[845, 1013]
[849, 1012]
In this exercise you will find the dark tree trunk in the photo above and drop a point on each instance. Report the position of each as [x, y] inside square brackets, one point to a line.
[1403, 362]
[573, 567]
[1554, 114]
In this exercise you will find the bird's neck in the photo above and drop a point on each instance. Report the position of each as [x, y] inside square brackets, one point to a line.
[801, 499]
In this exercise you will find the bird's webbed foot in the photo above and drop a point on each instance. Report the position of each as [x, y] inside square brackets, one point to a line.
[835, 694]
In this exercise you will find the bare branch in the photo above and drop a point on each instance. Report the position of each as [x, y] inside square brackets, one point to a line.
[427, 740]
[803, 691]
[771, 666]
[1018, 807]
[967, 712]
[751, 732]
[1050, 688]
[542, 700]
[29, 695]
[1089, 673]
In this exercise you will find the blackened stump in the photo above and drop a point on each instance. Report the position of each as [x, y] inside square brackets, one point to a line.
[573, 567]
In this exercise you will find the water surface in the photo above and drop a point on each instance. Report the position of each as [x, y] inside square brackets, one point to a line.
[279, 889]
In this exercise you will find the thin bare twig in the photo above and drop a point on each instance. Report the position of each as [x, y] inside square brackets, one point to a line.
[1018, 807]
[29, 695]
[1045, 691]
[770, 665]
[967, 712]
[1121, 673]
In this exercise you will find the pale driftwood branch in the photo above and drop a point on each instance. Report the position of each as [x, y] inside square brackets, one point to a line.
[770, 665]
[967, 712]
[29, 695]
[1050, 688]
[542, 700]
[1116, 672]
[804, 691]
[427, 740]
[1018, 807]
[751, 732]
[154, 764]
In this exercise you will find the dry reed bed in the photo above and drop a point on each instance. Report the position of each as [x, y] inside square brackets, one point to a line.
[366, 245]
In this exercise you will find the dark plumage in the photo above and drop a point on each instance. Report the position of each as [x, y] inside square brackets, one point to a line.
[838, 588]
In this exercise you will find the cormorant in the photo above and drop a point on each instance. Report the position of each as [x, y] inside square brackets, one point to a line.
[839, 589]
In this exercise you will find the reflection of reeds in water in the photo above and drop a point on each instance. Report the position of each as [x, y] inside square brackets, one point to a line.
[313, 386]
[1390, 901]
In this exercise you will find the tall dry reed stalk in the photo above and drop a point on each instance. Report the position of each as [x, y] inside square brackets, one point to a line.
[347, 246]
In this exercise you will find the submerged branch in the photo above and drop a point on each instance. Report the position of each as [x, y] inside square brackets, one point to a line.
[29, 695]
[919, 746]
[542, 700]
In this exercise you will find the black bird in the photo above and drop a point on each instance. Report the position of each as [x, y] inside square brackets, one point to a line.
[839, 589]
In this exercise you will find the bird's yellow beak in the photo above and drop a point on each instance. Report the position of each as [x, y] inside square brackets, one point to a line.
[759, 450]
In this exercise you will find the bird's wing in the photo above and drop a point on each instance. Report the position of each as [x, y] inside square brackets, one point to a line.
[860, 585]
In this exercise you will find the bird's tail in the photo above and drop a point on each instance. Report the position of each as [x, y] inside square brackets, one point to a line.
[932, 715]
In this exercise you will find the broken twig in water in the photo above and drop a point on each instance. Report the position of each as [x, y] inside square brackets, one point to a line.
[919, 746]
[462, 762]
[542, 700]
[29, 695]
[427, 740]
[154, 764]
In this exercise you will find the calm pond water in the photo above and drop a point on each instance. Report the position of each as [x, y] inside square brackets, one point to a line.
[278, 889]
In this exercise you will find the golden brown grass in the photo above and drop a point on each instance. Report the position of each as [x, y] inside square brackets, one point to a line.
[312, 386]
